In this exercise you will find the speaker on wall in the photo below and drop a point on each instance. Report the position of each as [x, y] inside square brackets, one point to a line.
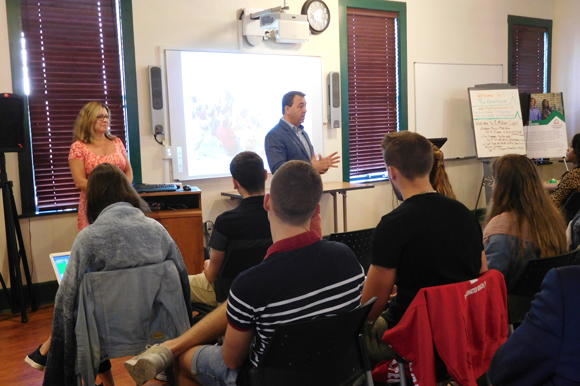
[333, 80]
[11, 123]
[156, 100]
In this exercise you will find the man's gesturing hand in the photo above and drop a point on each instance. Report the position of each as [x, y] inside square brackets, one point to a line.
[322, 164]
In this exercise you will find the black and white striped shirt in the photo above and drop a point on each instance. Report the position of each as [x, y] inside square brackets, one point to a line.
[301, 278]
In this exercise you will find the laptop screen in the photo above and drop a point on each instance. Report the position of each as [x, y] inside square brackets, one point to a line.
[59, 262]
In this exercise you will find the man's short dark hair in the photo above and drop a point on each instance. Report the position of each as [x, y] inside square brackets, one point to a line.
[409, 152]
[248, 169]
[295, 191]
[288, 99]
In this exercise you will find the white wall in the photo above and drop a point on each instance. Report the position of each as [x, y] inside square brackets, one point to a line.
[443, 31]
[566, 59]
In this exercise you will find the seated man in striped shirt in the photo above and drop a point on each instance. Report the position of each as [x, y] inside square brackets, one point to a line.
[302, 277]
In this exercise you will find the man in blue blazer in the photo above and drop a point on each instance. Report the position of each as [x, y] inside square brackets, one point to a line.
[288, 141]
[545, 349]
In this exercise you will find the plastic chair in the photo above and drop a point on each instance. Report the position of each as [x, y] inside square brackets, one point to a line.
[463, 323]
[571, 206]
[360, 243]
[576, 259]
[236, 262]
[530, 283]
[324, 351]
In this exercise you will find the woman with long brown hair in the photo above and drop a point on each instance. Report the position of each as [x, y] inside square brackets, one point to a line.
[438, 176]
[120, 236]
[522, 222]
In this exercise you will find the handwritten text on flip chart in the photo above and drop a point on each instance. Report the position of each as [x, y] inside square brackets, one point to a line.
[497, 122]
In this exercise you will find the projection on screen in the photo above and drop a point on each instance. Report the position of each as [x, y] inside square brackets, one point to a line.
[221, 104]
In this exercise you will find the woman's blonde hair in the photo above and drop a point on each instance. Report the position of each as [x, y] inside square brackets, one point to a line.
[438, 176]
[518, 189]
[85, 123]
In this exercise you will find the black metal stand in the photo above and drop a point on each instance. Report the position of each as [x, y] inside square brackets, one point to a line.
[16, 256]
[486, 182]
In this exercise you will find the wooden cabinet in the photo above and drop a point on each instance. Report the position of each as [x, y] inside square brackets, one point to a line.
[180, 213]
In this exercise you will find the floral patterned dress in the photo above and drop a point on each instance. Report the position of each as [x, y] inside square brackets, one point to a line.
[79, 150]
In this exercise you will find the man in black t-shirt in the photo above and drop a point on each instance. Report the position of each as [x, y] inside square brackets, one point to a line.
[429, 240]
[243, 227]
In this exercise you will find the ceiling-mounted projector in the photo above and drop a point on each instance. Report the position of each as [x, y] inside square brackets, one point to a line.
[289, 28]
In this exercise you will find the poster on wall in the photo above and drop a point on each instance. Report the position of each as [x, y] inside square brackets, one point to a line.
[543, 105]
[546, 134]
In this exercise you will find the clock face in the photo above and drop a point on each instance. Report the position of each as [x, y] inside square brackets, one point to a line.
[318, 15]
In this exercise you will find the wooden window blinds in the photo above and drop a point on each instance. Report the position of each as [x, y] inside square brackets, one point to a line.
[372, 86]
[73, 57]
[528, 58]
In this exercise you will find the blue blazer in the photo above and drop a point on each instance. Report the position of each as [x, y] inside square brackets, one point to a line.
[545, 349]
[283, 145]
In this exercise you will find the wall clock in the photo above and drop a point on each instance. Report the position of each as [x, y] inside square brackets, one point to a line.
[318, 15]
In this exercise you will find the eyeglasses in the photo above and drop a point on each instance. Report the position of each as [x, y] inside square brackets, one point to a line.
[101, 117]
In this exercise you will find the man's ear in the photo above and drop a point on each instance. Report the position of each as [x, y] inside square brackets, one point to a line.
[236, 184]
[265, 175]
[393, 173]
[267, 199]
[316, 211]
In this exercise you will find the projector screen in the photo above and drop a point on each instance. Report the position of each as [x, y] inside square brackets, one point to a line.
[221, 104]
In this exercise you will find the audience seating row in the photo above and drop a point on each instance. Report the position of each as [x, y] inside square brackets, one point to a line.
[295, 357]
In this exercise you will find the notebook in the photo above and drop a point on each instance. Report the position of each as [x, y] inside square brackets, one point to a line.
[59, 262]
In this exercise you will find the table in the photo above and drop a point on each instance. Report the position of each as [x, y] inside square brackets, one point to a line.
[332, 188]
[180, 213]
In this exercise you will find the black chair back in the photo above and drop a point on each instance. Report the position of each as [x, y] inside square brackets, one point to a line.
[530, 283]
[571, 206]
[324, 351]
[236, 262]
[576, 259]
[359, 242]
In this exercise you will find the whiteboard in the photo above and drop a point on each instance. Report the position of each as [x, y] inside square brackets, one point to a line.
[222, 103]
[497, 121]
[442, 104]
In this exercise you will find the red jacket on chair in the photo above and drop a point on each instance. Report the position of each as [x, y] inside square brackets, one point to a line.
[466, 322]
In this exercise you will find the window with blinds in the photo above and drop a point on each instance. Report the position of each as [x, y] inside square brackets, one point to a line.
[529, 58]
[73, 57]
[373, 88]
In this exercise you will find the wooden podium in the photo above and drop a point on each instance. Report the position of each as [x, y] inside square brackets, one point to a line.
[180, 213]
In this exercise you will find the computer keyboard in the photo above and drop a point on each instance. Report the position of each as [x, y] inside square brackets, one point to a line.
[151, 188]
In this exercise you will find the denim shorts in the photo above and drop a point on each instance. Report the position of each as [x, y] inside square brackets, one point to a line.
[209, 369]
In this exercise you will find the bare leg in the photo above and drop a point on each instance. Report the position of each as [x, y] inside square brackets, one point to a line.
[210, 328]
[182, 368]
[45, 346]
[144, 366]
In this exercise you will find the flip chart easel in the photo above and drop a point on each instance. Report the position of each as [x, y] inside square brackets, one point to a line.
[497, 126]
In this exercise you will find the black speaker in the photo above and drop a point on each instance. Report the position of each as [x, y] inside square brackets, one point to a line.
[156, 88]
[156, 100]
[11, 123]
